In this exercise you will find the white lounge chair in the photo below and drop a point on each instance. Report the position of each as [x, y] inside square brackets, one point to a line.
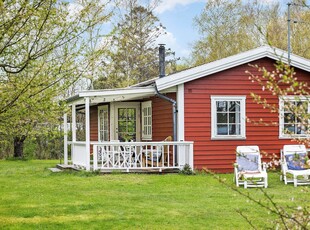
[294, 162]
[249, 170]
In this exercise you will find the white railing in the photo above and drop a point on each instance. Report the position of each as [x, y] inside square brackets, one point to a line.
[78, 153]
[142, 155]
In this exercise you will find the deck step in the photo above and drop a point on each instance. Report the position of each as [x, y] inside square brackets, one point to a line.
[55, 169]
[64, 166]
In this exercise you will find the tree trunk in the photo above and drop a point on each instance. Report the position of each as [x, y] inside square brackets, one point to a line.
[19, 146]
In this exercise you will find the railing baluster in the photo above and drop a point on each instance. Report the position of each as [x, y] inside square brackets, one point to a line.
[135, 155]
[168, 157]
[173, 155]
[95, 160]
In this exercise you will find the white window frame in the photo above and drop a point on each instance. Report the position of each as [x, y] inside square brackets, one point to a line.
[146, 121]
[242, 100]
[283, 99]
[100, 129]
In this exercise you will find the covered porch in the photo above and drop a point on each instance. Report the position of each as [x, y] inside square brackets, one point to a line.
[124, 131]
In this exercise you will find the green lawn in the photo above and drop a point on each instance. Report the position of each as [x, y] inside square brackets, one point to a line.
[32, 197]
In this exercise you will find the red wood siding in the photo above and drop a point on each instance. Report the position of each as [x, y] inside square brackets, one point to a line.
[162, 125]
[162, 122]
[94, 123]
[219, 155]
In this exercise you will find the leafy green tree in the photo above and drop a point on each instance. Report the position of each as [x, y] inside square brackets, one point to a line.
[42, 47]
[230, 27]
[133, 56]
[223, 29]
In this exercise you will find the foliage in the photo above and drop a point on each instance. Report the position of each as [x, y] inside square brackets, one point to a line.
[230, 27]
[42, 48]
[283, 82]
[280, 83]
[133, 53]
[187, 170]
[70, 200]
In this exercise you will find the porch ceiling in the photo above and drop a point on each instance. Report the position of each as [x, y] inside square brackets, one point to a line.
[100, 96]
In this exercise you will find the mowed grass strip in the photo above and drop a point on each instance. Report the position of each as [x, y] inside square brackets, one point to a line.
[32, 197]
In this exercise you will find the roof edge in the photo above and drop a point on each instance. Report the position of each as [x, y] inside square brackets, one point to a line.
[230, 62]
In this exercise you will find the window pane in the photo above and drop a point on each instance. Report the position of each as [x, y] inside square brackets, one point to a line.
[288, 106]
[301, 128]
[234, 106]
[234, 130]
[221, 118]
[289, 129]
[288, 118]
[222, 130]
[234, 118]
[221, 106]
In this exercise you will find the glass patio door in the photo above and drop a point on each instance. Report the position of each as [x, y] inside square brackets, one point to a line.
[127, 121]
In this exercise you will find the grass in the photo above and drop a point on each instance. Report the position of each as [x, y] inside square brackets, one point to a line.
[32, 197]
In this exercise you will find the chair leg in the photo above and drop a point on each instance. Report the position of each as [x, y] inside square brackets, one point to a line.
[266, 182]
[295, 181]
[285, 179]
[236, 180]
[245, 184]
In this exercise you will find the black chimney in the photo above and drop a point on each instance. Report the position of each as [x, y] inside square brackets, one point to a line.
[162, 60]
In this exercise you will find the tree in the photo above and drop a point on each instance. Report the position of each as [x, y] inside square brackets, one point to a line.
[133, 56]
[280, 83]
[223, 29]
[231, 27]
[42, 47]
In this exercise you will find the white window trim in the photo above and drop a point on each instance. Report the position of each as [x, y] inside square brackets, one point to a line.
[104, 107]
[282, 99]
[242, 100]
[147, 136]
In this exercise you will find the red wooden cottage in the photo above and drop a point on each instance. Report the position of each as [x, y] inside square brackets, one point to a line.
[205, 109]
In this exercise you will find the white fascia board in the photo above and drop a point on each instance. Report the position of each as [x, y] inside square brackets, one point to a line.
[111, 95]
[230, 62]
[77, 101]
[117, 92]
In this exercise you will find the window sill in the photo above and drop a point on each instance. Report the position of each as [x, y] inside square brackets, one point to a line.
[227, 138]
[146, 139]
[293, 137]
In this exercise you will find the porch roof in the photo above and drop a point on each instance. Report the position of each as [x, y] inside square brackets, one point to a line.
[110, 95]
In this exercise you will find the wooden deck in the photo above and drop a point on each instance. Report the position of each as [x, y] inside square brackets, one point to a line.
[108, 171]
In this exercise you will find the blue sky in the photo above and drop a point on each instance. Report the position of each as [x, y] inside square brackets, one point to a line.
[177, 16]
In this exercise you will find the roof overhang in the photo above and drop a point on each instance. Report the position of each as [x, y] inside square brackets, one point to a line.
[101, 96]
[230, 62]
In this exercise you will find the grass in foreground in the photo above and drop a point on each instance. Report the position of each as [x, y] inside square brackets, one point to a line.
[32, 197]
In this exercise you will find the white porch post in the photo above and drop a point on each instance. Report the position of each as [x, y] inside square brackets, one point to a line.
[181, 149]
[73, 123]
[87, 132]
[180, 100]
[65, 140]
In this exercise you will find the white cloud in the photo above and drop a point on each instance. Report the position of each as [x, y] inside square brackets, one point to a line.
[171, 4]
[74, 10]
[170, 42]
[167, 39]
